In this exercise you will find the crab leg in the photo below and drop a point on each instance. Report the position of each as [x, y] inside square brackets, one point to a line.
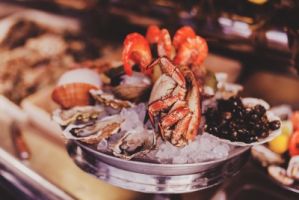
[180, 130]
[173, 117]
[160, 105]
[169, 69]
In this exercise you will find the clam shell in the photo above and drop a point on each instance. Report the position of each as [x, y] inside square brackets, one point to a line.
[250, 102]
[80, 76]
[73, 88]
[72, 94]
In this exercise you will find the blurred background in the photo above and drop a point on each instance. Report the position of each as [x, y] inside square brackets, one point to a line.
[255, 41]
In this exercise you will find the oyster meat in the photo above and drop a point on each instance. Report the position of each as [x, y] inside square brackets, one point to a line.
[77, 115]
[109, 100]
[134, 143]
[94, 131]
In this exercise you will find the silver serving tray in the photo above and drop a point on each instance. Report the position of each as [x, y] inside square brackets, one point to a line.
[153, 177]
[161, 169]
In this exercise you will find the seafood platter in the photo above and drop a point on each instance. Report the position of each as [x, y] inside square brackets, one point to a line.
[160, 113]
[279, 158]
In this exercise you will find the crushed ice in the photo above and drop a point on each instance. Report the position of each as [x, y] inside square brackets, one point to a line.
[203, 148]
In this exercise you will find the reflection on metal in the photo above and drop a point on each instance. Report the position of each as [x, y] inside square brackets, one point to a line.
[277, 39]
[237, 28]
[153, 177]
[31, 184]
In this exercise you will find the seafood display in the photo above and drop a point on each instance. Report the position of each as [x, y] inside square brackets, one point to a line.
[281, 155]
[33, 56]
[161, 105]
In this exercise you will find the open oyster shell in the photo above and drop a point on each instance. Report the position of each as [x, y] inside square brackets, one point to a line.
[134, 143]
[77, 115]
[94, 132]
[134, 88]
[250, 102]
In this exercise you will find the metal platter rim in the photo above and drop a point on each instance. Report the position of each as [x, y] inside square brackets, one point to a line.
[104, 156]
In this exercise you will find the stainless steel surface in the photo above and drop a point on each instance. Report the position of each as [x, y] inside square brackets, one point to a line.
[156, 178]
[27, 181]
[161, 169]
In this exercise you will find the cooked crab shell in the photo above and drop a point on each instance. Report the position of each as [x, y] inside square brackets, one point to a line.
[77, 115]
[109, 100]
[293, 168]
[280, 174]
[134, 143]
[94, 132]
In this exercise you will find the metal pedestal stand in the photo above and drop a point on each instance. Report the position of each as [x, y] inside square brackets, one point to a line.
[166, 181]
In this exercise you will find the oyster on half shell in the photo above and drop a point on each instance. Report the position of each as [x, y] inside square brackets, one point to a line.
[95, 131]
[134, 143]
[109, 100]
[77, 115]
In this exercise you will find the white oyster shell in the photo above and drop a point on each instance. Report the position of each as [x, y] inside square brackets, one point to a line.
[134, 143]
[293, 168]
[94, 132]
[251, 102]
[280, 174]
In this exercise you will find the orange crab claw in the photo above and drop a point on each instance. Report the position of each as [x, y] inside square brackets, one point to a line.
[153, 34]
[192, 52]
[164, 44]
[182, 34]
[136, 51]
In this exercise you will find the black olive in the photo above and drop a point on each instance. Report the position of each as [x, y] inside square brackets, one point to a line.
[274, 125]
[259, 109]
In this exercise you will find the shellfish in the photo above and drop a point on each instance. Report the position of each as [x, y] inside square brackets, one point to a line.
[94, 132]
[73, 88]
[109, 100]
[77, 115]
[133, 88]
[134, 143]
[174, 104]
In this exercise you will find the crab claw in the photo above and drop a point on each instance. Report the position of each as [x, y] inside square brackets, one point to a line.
[153, 34]
[192, 52]
[136, 51]
[181, 36]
